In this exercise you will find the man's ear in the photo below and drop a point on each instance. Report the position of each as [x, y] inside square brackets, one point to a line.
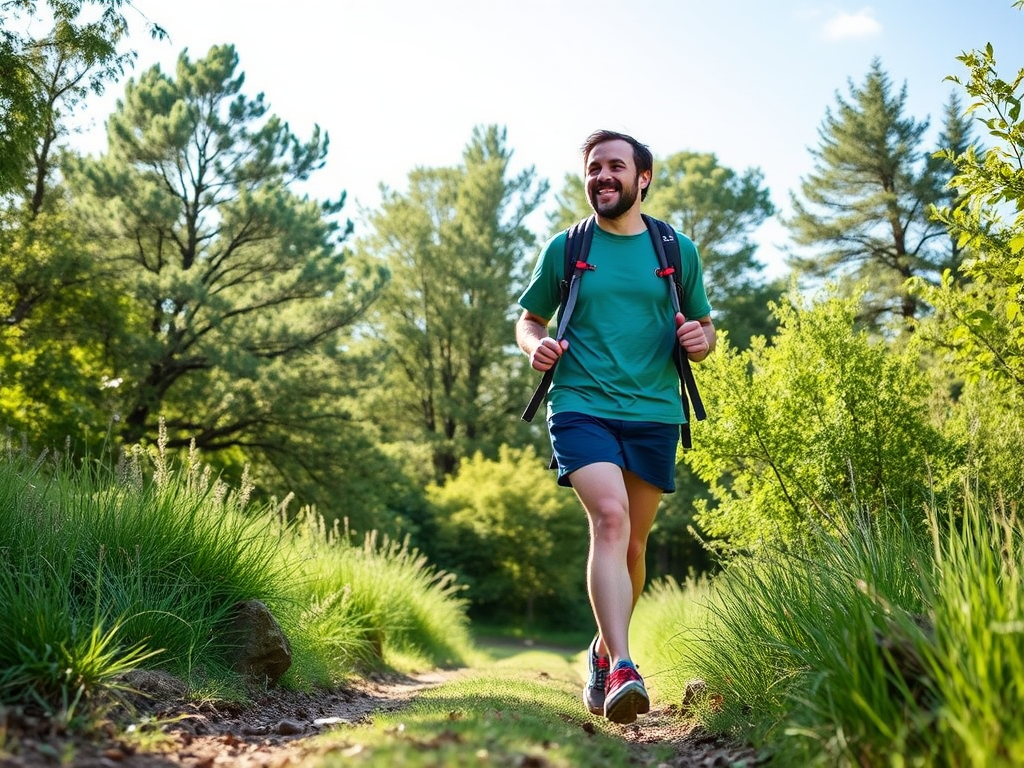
[645, 180]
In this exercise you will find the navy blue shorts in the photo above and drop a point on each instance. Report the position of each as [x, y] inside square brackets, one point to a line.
[645, 448]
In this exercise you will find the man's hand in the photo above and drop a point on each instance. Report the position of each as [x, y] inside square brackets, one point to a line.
[696, 337]
[547, 352]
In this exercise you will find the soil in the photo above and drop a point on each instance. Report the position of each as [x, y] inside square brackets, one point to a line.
[274, 730]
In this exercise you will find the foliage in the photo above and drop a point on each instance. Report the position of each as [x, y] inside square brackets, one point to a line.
[865, 204]
[822, 419]
[239, 296]
[516, 538]
[41, 79]
[980, 322]
[53, 360]
[986, 422]
[348, 616]
[57, 317]
[101, 573]
[455, 245]
[849, 649]
[151, 570]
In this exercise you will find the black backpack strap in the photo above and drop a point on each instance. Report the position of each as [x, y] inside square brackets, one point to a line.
[666, 246]
[577, 250]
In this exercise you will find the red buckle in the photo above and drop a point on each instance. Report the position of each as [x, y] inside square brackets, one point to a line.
[665, 272]
[585, 265]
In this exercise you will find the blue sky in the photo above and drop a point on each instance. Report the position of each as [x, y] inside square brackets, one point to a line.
[401, 83]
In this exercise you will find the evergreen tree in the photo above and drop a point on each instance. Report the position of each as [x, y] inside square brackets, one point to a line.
[865, 206]
[239, 297]
[456, 248]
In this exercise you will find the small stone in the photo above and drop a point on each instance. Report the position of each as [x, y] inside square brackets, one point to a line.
[694, 690]
[289, 727]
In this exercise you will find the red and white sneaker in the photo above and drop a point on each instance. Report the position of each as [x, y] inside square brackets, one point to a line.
[625, 695]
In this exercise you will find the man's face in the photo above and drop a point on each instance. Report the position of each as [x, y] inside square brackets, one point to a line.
[612, 181]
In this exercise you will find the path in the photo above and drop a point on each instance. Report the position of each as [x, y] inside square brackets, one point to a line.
[274, 732]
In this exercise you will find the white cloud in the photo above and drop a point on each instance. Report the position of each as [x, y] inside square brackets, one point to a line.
[848, 26]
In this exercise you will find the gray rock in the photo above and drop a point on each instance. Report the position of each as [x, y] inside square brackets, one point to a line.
[263, 652]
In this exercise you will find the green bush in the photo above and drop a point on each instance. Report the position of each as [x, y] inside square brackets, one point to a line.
[517, 539]
[826, 417]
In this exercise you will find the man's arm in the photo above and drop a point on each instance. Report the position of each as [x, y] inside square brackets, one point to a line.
[532, 337]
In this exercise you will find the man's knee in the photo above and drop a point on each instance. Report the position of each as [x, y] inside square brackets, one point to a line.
[610, 519]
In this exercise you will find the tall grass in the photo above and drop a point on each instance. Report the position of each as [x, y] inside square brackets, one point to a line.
[103, 571]
[899, 642]
[369, 606]
[662, 627]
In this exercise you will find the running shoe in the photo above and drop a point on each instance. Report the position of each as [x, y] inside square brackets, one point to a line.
[597, 677]
[625, 696]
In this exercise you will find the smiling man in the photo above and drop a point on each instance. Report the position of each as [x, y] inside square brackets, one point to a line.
[614, 406]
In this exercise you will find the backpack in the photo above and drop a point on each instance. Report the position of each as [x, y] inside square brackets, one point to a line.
[666, 246]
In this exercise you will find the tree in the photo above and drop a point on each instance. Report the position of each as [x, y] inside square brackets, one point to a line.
[456, 247]
[239, 297]
[719, 210]
[52, 343]
[40, 78]
[980, 321]
[866, 203]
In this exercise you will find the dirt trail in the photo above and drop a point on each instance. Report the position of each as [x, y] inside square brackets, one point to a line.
[274, 731]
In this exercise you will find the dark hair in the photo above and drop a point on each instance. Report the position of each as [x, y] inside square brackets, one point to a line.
[642, 157]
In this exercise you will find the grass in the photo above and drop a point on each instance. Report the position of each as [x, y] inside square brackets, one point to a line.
[101, 572]
[897, 643]
[513, 708]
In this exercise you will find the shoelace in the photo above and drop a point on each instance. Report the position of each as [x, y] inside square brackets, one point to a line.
[601, 668]
[623, 673]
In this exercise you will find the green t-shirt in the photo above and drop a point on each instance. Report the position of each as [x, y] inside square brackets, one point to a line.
[619, 361]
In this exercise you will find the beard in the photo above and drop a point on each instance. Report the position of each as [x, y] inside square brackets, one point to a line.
[627, 196]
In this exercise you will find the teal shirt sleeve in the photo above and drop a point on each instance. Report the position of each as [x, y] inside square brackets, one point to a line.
[542, 294]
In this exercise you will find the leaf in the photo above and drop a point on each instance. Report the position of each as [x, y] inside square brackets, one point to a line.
[1016, 244]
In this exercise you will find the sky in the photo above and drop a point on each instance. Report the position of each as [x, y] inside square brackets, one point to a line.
[400, 84]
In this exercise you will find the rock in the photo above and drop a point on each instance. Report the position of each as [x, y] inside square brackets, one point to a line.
[289, 727]
[694, 690]
[263, 652]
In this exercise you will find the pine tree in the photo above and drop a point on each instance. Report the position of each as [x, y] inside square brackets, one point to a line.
[865, 207]
[239, 296]
[456, 247]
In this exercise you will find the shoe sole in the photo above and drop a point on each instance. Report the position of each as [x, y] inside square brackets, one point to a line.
[632, 701]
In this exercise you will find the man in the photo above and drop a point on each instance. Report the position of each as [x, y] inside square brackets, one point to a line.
[614, 408]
